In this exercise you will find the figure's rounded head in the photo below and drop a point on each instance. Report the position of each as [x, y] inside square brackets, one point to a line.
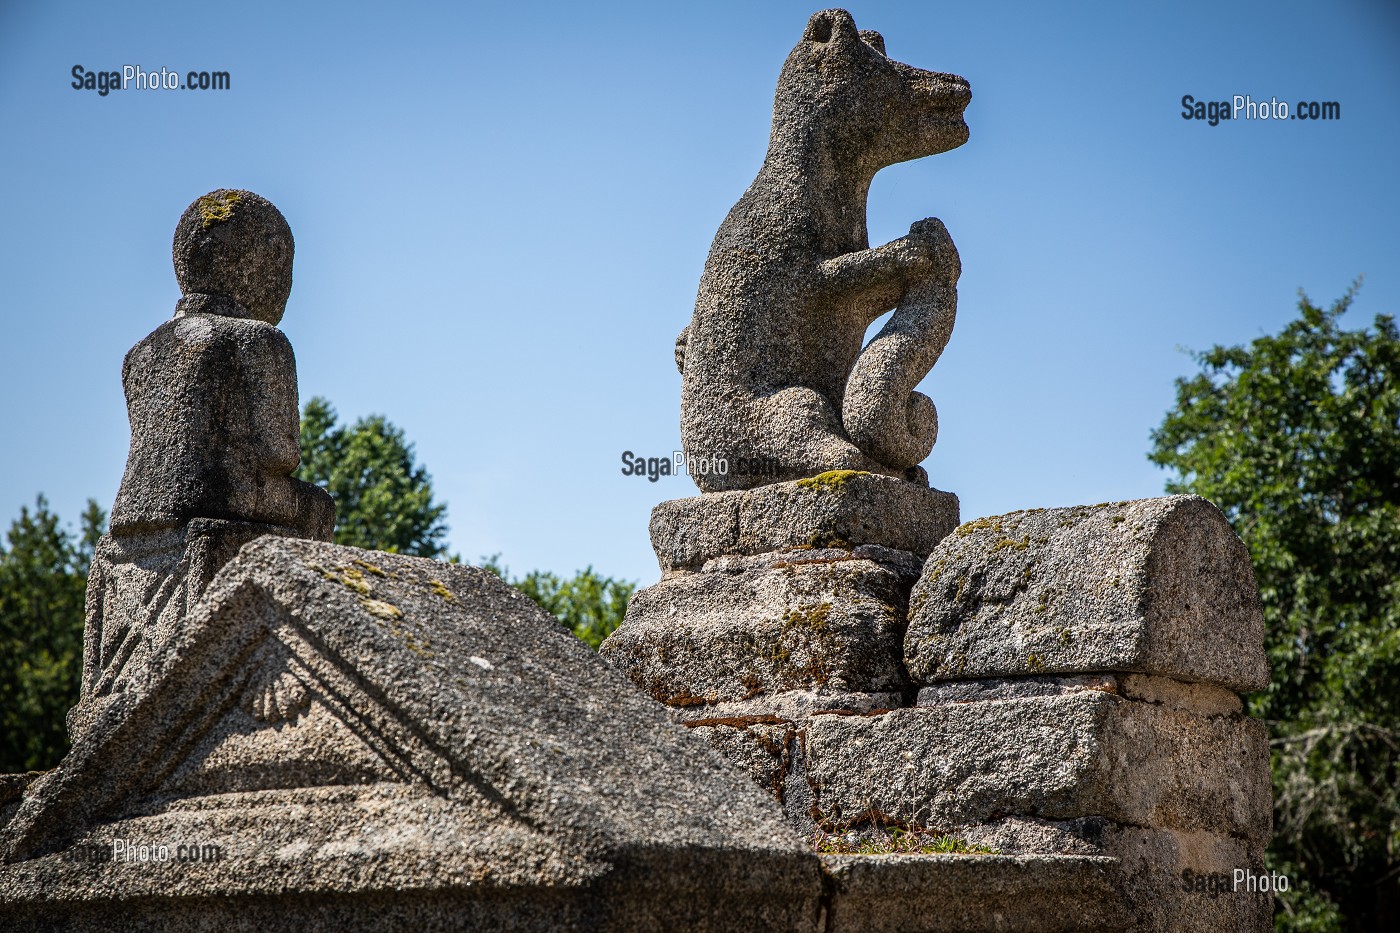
[236, 244]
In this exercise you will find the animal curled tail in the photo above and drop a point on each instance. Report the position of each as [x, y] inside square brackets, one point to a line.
[881, 412]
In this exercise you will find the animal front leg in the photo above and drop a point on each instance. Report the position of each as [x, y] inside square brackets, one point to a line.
[881, 412]
[875, 279]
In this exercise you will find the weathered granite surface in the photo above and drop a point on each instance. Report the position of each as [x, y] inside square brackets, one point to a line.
[1160, 779]
[1081, 753]
[1206, 699]
[140, 589]
[212, 400]
[1156, 864]
[772, 361]
[1056, 749]
[843, 509]
[978, 894]
[1159, 586]
[212, 394]
[382, 741]
[702, 638]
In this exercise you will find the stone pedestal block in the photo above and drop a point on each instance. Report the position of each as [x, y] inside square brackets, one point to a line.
[1081, 752]
[975, 894]
[832, 627]
[843, 508]
[794, 587]
[1165, 781]
[1159, 586]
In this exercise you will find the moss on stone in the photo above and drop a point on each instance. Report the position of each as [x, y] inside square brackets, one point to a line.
[812, 617]
[355, 580]
[978, 524]
[832, 480]
[382, 610]
[217, 207]
[825, 539]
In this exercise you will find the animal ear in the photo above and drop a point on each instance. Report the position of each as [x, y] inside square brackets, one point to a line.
[833, 26]
[873, 39]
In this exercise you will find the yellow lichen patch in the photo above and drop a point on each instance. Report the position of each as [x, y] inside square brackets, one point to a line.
[1005, 543]
[382, 610]
[441, 589]
[216, 208]
[826, 539]
[831, 479]
[809, 617]
[355, 581]
[367, 566]
[979, 524]
[350, 578]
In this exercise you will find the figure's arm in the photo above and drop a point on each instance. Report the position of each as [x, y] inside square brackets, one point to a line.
[879, 277]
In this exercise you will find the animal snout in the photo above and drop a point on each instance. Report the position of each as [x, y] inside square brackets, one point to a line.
[946, 93]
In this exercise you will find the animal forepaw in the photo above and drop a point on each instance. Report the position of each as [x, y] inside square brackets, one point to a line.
[935, 247]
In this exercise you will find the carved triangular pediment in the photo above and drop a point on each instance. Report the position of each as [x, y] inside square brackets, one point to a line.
[296, 720]
[248, 703]
[345, 723]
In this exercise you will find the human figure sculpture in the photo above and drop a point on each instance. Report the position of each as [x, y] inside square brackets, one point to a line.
[212, 399]
[772, 361]
[212, 393]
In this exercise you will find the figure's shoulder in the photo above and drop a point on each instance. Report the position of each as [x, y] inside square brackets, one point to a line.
[200, 339]
[221, 331]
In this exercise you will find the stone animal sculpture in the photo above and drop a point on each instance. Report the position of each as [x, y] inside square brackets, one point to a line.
[772, 361]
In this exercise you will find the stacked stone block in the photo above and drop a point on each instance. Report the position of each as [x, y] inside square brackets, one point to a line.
[1060, 682]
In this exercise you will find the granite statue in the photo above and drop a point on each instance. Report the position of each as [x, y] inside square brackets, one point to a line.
[772, 360]
[212, 399]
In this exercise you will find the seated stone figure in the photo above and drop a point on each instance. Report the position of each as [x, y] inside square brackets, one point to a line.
[772, 360]
[212, 393]
[212, 400]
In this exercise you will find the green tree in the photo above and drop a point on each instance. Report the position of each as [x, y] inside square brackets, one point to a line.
[1297, 438]
[383, 500]
[43, 578]
[589, 605]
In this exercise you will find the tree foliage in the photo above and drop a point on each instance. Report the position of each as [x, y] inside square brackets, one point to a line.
[1297, 438]
[383, 500]
[43, 578]
[589, 605]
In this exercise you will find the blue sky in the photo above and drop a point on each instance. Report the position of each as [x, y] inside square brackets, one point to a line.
[502, 212]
